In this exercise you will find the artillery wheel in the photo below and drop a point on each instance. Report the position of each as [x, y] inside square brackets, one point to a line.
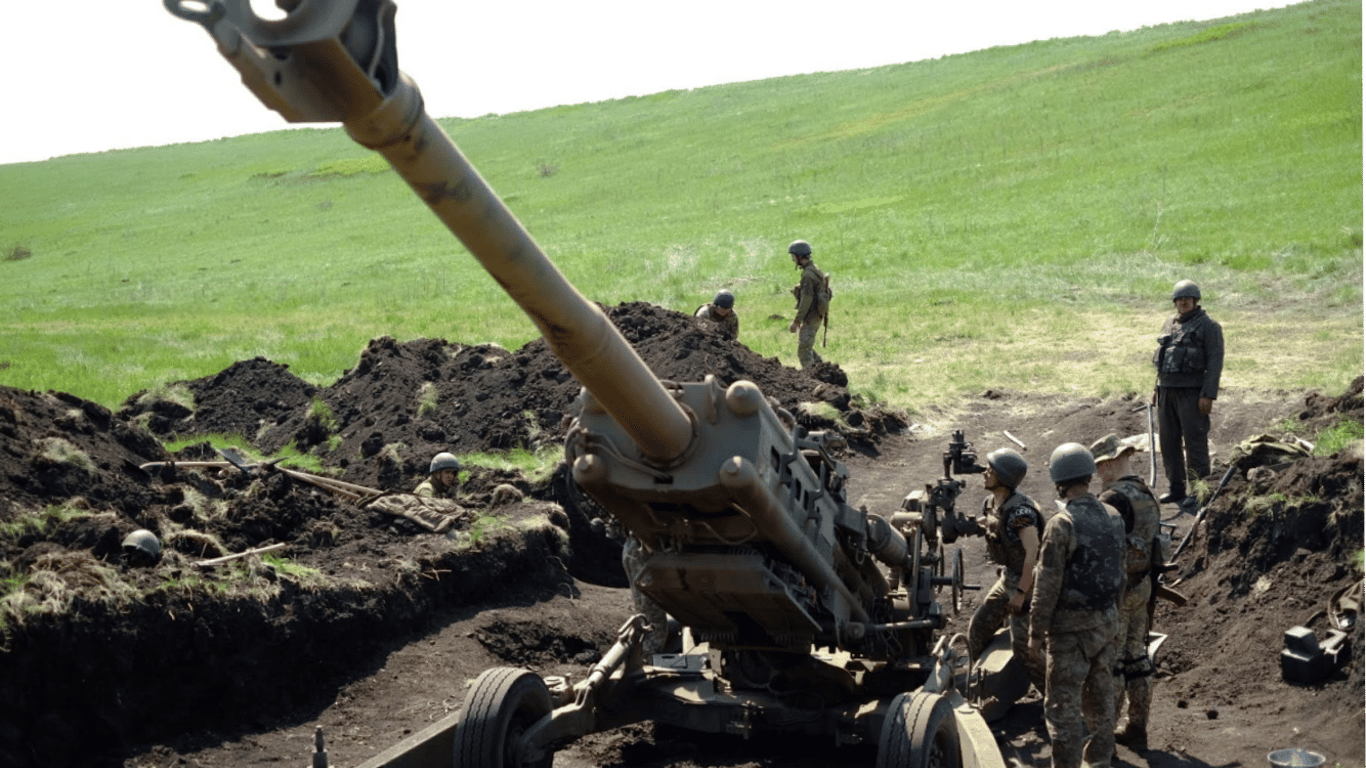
[499, 708]
[919, 732]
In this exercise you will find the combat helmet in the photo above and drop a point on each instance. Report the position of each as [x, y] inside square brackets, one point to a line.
[1069, 462]
[724, 299]
[1010, 467]
[142, 545]
[1185, 290]
[799, 248]
[442, 461]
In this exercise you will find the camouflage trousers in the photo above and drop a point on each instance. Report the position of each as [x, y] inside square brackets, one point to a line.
[633, 562]
[1080, 696]
[995, 612]
[1134, 670]
[806, 344]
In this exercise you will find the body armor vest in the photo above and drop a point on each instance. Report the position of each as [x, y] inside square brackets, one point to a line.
[1140, 523]
[1094, 571]
[1003, 548]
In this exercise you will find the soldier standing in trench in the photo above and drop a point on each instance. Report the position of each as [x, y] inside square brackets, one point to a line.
[443, 478]
[1189, 361]
[721, 311]
[1138, 506]
[1013, 526]
[1077, 585]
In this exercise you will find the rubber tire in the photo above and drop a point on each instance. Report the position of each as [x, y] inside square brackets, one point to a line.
[500, 706]
[919, 732]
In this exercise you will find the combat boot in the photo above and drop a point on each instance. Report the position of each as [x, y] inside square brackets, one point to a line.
[1174, 496]
[1132, 735]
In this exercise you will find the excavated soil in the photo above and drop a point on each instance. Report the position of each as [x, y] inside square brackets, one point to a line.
[372, 627]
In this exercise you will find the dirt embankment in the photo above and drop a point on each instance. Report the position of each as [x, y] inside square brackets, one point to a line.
[101, 654]
[102, 658]
[382, 421]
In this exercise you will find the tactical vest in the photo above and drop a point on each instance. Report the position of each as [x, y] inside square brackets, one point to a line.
[1181, 348]
[1094, 571]
[1139, 546]
[1002, 548]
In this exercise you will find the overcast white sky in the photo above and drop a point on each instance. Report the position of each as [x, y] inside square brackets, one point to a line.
[91, 75]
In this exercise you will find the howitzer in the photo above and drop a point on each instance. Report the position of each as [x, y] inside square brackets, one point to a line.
[803, 613]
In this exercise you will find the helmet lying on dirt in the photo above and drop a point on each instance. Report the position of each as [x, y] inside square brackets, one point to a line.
[724, 299]
[799, 248]
[1010, 467]
[1070, 461]
[1185, 290]
[442, 461]
[142, 544]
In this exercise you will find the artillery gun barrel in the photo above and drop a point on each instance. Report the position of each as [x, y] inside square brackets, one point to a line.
[761, 543]
[577, 330]
[351, 51]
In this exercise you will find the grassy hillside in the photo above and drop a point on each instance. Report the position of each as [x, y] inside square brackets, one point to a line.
[1013, 217]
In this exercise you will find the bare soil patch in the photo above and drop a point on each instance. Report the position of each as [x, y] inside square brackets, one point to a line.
[106, 663]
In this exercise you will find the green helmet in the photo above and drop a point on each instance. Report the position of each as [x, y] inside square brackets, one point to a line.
[1070, 461]
[724, 299]
[1186, 290]
[1010, 467]
[442, 461]
[142, 544]
[799, 248]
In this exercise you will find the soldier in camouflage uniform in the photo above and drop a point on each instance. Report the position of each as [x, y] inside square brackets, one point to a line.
[1077, 585]
[633, 562]
[813, 303]
[721, 311]
[1189, 361]
[1138, 506]
[1013, 526]
[443, 478]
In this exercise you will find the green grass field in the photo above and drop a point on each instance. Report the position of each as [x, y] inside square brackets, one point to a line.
[1013, 217]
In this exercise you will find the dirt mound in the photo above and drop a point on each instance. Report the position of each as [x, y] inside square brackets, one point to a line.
[1323, 410]
[59, 448]
[173, 647]
[239, 400]
[381, 422]
[1256, 576]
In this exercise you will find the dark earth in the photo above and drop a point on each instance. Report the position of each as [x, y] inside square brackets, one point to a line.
[372, 627]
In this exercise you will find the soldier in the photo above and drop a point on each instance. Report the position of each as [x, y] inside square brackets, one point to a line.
[1138, 506]
[721, 311]
[1013, 526]
[1077, 585]
[443, 478]
[813, 303]
[1189, 361]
